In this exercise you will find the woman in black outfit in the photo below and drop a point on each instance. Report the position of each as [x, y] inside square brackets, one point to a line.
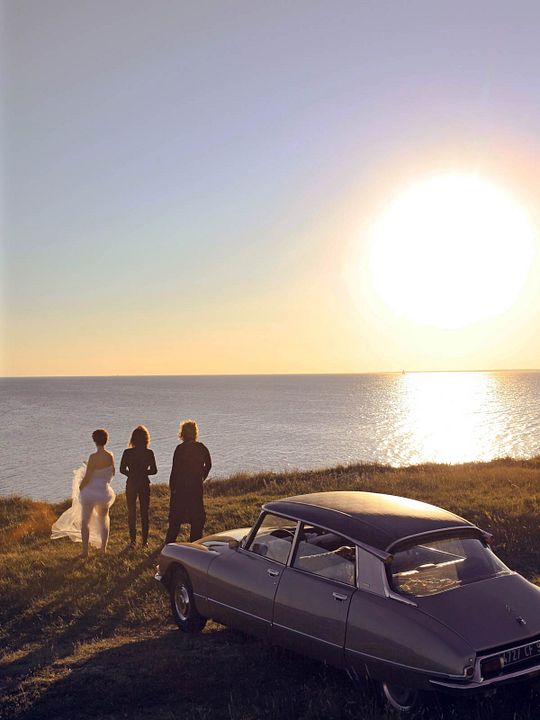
[191, 465]
[138, 462]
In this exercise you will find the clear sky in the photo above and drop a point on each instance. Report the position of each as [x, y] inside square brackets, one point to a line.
[190, 187]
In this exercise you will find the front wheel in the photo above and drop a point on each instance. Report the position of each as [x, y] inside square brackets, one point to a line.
[402, 699]
[183, 607]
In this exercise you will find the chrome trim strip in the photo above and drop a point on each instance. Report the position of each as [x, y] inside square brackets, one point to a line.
[399, 598]
[294, 544]
[323, 577]
[479, 685]
[401, 665]
[244, 612]
[312, 637]
[390, 594]
[433, 533]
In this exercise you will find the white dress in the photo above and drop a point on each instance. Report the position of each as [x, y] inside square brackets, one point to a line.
[97, 493]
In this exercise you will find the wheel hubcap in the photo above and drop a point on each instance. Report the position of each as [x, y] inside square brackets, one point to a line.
[181, 601]
[400, 698]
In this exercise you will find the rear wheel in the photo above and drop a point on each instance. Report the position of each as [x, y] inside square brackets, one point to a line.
[183, 607]
[402, 699]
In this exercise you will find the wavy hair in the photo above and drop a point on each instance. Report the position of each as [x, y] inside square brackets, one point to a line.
[140, 437]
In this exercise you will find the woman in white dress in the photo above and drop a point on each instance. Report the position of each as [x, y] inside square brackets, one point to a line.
[87, 519]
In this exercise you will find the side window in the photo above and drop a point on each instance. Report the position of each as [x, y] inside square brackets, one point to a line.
[327, 554]
[273, 539]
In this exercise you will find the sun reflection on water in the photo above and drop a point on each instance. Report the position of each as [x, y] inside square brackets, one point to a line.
[451, 417]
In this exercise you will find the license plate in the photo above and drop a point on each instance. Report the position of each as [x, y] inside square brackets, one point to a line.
[525, 652]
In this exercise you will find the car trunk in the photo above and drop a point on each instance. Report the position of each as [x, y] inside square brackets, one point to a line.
[500, 611]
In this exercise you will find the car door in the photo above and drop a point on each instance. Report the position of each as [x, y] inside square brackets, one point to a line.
[313, 598]
[242, 583]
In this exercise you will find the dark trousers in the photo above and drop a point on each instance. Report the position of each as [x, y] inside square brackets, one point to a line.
[175, 520]
[142, 491]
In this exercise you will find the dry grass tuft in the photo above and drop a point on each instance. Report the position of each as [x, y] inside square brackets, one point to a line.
[23, 520]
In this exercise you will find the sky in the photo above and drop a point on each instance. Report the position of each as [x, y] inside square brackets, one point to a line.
[191, 187]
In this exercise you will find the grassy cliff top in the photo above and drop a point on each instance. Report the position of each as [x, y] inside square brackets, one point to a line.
[95, 638]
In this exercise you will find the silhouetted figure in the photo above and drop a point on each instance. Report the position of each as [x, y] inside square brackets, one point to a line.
[191, 465]
[138, 462]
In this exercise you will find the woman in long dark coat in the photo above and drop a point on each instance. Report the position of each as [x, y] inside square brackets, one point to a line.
[138, 462]
[191, 465]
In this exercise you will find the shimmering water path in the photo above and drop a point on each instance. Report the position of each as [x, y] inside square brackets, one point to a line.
[267, 422]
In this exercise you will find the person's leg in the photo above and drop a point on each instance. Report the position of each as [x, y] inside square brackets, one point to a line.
[104, 525]
[86, 512]
[131, 501]
[144, 504]
[197, 526]
[174, 525]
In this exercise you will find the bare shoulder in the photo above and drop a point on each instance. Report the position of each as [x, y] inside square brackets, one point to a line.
[110, 455]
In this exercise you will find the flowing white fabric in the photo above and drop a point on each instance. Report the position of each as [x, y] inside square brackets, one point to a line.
[97, 492]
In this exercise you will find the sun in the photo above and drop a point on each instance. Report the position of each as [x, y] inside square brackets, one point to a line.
[451, 251]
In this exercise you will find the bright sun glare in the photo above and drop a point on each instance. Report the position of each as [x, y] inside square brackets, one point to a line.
[451, 251]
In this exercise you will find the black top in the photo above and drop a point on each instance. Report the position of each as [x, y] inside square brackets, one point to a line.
[375, 519]
[190, 468]
[138, 464]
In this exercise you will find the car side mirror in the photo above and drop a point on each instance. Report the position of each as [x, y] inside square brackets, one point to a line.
[234, 544]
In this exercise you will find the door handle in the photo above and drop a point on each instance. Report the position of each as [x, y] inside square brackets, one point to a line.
[339, 596]
[273, 573]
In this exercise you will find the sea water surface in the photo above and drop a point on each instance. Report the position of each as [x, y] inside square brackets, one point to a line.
[270, 422]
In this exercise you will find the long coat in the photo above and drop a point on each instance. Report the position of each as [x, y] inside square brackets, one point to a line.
[190, 468]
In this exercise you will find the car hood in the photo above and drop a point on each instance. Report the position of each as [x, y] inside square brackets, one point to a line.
[226, 535]
[488, 613]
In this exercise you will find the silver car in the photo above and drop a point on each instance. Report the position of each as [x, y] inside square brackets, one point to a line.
[385, 587]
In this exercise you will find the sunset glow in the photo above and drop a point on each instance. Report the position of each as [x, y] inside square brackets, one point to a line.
[451, 251]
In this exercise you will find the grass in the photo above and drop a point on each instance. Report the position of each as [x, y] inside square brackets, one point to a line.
[95, 639]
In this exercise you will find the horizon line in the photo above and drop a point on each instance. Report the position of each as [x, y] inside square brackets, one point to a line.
[266, 374]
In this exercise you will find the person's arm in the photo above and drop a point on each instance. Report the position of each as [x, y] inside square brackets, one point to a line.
[88, 474]
[207, 462]
[124, 469]
[174, 469]
[112, 463]
[152, 467]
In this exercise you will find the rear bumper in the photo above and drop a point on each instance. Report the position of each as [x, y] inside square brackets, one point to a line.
[472, 687]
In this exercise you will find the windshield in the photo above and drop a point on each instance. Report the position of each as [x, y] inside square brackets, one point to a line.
[440, 565]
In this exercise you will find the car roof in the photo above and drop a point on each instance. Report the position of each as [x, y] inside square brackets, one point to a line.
[375, 519]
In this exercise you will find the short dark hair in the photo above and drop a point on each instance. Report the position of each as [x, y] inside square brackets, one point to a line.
[140, 437]
[100, 436]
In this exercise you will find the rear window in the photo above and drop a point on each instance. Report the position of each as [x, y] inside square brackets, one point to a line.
[434, 567]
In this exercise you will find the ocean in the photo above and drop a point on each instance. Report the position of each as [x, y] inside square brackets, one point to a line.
[269, 422]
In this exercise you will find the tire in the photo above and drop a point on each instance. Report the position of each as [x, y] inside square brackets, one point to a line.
[402, 700]
[183, 606]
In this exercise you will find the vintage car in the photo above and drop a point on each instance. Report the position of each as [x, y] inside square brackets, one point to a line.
[393, 589]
